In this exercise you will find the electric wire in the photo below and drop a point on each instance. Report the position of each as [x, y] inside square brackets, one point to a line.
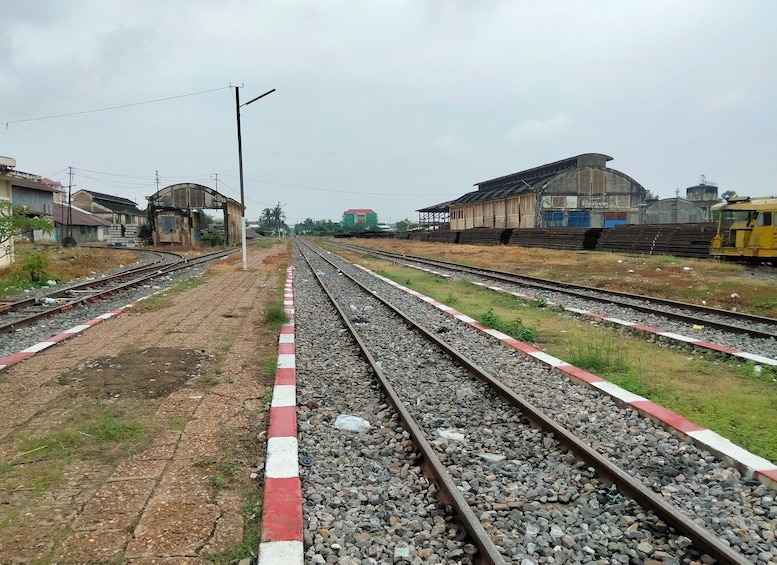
[7, 122]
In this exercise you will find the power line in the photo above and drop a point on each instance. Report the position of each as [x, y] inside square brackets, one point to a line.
[346, 191]
[7, 122]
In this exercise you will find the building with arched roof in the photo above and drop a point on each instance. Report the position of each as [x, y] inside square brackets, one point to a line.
[578, 191]
[175, 214]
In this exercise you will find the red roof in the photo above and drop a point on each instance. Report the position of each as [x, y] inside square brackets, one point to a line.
[359, 211]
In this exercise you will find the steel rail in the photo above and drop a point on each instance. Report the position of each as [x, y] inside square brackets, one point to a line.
[703, 538]
[489, 554]
[623, 299]
[67, 302]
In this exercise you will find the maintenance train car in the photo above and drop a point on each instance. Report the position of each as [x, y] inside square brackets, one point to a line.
[746, 229]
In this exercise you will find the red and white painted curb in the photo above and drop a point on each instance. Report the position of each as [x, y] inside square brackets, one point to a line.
[748, 463]
[14, 358]
[282, 515]
[758, 359]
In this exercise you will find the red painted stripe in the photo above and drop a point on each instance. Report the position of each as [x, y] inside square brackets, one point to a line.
[283, 422]
[287, 329]
[581, 374]
[15, 358]
[667, 416]
[286, 377]
[771, 474]
[520, 346]
[60, 337]
[282, 510]
[645, 328]
[716, 347]
[286, 348]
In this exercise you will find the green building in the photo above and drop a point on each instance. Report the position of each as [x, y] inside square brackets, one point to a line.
[360, 216]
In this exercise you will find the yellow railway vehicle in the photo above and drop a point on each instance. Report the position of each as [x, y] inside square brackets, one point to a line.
[747, 229]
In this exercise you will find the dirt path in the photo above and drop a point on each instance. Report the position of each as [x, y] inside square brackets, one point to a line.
[133, 442]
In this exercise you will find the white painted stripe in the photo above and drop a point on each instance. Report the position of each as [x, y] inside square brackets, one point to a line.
[277, 552]
[105, 316]
[496, 288]
[38, 347]
[549, 359]
[723, 445]
[289, 324]
[286, 361]
[286, 338]
[757, 358]
[426, 298]
[282, 460]
[77, 329]
[445, 308]
[284, 395]
[678, 337]
[577, 310]
[619, 321]
[617, 392]
[465, 318]
[289, 311]
[497, 334]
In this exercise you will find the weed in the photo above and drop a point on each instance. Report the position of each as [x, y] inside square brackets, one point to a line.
[540, 302]
[109, 426]
[514, 329]
[178, 424]
[450, 300]
[36, 265]
[270, 366]
[275, 315]
[603, 357]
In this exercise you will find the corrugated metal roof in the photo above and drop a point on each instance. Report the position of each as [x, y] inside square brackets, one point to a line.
[78, 217]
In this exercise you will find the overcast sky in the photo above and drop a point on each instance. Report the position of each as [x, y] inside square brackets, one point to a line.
[391, 105]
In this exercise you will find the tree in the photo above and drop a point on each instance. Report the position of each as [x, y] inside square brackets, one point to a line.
[206, 220]
[404, 225]
[15, 221]
[273, 220]
[728, 194]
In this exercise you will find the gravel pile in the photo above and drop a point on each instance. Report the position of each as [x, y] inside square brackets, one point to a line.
[540, 508]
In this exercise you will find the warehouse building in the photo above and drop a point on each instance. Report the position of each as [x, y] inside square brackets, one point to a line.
[578, 191]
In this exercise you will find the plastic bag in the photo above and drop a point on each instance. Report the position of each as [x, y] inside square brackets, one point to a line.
[351, 423]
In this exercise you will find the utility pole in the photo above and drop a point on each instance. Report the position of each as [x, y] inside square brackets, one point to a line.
[157, 180]
[216, 175]
[68, 239]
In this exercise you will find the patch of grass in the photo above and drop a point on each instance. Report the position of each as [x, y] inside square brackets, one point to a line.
[514, 328]
[252, 532]
[151, 304]
[275, 315]
[177, 424]
[270, 366]
[603, 357]
[187, 284]
[110, 426]
[8, 517]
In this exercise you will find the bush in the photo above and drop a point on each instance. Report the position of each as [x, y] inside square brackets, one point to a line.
[36, 266]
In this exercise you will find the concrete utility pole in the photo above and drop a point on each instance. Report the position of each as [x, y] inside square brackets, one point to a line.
[240, 164]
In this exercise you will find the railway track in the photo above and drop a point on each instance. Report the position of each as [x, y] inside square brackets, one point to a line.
[21, 313]
[520, 493]
[754, 334]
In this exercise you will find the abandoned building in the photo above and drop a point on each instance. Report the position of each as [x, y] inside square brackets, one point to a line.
[578, 191]
[175, 214]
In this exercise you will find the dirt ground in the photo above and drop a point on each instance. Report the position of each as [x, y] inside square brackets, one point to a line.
[134, 442]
